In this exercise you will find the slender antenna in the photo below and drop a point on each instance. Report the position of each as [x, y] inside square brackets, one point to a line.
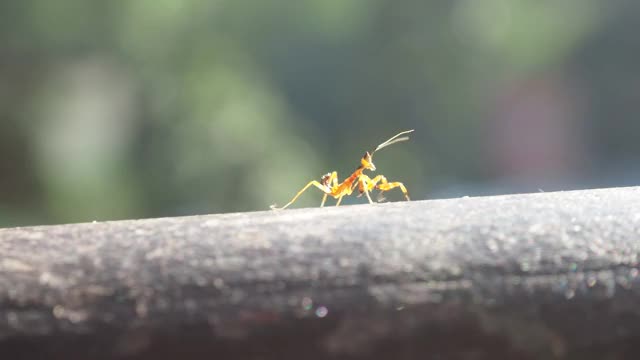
[393, 140]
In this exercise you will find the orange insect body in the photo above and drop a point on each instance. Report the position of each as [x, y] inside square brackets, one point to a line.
[330, 186]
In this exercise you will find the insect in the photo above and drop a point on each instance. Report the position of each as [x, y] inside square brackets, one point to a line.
[329, 185]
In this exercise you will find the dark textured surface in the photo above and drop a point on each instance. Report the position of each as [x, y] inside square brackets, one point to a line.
[552, 275]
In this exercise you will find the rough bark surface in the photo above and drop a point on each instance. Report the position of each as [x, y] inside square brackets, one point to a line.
[539, 276]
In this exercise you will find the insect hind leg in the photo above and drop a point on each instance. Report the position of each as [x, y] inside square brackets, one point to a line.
[311, 183]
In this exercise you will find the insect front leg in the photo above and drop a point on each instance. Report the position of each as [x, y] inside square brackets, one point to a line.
[363, 185]
[386, 185]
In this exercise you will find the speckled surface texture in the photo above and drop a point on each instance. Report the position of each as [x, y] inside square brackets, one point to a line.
[540, 276]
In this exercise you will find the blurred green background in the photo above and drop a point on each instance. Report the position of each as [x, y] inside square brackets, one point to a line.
[128, 109]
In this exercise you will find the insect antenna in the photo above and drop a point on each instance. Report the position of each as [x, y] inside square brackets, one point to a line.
[393, 140]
